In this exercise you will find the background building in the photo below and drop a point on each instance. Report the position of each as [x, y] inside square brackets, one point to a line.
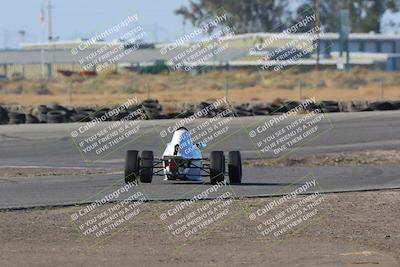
[379, 51]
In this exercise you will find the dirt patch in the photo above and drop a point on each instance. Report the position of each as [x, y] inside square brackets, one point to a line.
[375, 157]
[357, 229]
[31, 172]
[110, 88]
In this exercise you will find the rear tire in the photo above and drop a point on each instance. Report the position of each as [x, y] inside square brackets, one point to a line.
[235, 167]
[146, 166]
[217, 167]
[131, 166]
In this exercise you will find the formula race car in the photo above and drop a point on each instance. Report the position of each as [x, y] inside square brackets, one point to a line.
[182, 160]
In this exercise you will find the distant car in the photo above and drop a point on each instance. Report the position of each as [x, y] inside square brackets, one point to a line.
[182, 160]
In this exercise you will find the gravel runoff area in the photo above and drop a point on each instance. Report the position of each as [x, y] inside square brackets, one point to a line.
[8, 172]
[350, 229]
[372, 157]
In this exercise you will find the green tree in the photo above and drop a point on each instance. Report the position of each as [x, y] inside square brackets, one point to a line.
[244, 15]
[365, 15]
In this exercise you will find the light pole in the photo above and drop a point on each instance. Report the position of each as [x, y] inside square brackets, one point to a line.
[317, 10]
[50, 26]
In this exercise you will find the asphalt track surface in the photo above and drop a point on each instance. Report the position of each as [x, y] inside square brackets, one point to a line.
[51, 145]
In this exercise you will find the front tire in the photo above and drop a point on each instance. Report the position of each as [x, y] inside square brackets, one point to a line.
[217, 167]
[131, 166]
[235, 167]
[146, 166]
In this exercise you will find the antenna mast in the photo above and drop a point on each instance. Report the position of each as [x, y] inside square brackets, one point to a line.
[50, 26]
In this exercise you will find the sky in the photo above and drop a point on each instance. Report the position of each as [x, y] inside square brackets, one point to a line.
[391, 22]
[73, 19]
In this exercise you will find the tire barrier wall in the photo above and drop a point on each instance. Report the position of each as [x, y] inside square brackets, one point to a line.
[59, 114]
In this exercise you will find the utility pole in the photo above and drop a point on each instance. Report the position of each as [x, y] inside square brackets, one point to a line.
[317, 10]
[50, 26]
[148, 89]
[344, 31]
[226, 89]
[5, 39]
[71, 84]
[22, 34]
[183, 27]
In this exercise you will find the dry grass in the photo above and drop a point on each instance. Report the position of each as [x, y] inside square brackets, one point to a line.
[244, 86]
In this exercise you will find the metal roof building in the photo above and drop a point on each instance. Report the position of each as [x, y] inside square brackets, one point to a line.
[373, 50]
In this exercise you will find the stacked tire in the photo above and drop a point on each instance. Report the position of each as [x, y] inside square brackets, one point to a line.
[101, 114]
[329, 106]
[153, 109]
[243, 110]
[30, 119]
[56, 116]
[16, 118]
[41, 113]
[382, 105]
[357, 106]
[261, 109]
[81, 115]
[53, 113]
[3, 116]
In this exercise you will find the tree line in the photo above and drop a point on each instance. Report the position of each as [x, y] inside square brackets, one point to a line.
[276, 15]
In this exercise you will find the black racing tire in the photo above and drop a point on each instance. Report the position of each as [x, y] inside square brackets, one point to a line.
[235, 167]
[42, 117]
[42, 109]
[150, 101]
[56, 116]
[396, 104]
[151, 104]
[119, 116]
[80, 118]
[152, 114]
[329, 106]
[131, 166]
[3, 116]
[146, 166]
[101, 114]
[55, 107]
[16, 118]
[217, 167]
[382, 105]
[243, 111]
[83, 110]
[31, 119]
[258, 111]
